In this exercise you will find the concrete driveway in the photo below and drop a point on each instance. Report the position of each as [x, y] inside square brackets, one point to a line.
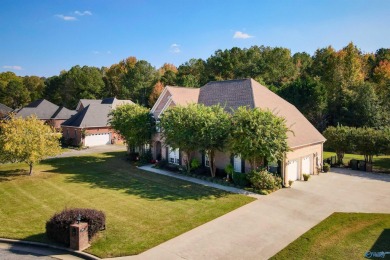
[264, 227]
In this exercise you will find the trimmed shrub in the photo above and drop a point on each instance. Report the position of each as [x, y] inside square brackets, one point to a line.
[290, 183]
[306, 177]
[146, 157]
[57, 227]
[240, 179]
[326, 167]
[264, 180]
[195, 164]
[161, 164]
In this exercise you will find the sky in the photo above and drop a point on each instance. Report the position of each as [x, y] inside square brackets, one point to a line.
[44, 37]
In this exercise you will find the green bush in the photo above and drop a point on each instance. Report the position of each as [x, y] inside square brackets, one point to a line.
[57, 227]
[263, 180]
[306, 177]
[161, 164]
[146, 157]
[195, 164]
[326, 167]
[240, 179]
[290, 183]
[229, 169]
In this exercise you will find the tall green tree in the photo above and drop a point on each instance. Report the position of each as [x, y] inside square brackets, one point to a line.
[213, 130]
[35, 85]
[339, 139]
[27, 140]
[258, 135]
[179, 125]
[134, 123]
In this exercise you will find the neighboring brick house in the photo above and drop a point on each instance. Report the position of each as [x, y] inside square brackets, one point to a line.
[46, 111]
[305, 142]
[90, 126]
[4, 110]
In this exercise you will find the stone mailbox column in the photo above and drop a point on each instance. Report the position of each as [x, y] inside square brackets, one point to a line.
[79, 236]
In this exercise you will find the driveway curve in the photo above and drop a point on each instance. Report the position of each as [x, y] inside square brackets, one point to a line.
[262, 228]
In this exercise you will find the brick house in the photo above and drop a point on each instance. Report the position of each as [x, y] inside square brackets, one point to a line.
[305, 142]
[90, 126]
[46, 111]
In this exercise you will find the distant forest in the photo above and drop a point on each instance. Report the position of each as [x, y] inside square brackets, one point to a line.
[331, 87]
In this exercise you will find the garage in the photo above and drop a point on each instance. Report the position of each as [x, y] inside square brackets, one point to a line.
[97, 139]
[306, 162]
[292, 170]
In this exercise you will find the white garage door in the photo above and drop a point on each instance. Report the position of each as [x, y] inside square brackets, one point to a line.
[292, 170]
[306, 165]
[97, 139]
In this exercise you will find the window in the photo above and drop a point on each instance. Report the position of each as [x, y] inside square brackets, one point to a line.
[237, 163]
[174, 156]
[158, 128]
[206, 160]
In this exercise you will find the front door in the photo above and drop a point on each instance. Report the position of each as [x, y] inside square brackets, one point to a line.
[237, 163]
[158, 150]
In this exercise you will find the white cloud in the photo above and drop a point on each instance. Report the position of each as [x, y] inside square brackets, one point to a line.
[95, 52]
[241, 35]
[175, 48]
[66, 18]
[83, 13]
[12, 67]
[108, 52]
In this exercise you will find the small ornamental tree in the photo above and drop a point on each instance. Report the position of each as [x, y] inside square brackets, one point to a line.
[368, 142]
[179, 126]
[27, 140]
[339, 139]
[134, 123]
[257, 135]
[213, 131]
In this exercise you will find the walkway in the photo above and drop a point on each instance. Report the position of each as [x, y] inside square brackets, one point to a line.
[262, 228]
[198, 181]
[94, 149]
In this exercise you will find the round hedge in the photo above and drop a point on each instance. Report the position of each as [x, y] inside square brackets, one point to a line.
[57, 227]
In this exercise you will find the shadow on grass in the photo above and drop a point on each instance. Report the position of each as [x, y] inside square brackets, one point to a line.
[9, 175]
[362, 174]
[112, 171]
[381, 246]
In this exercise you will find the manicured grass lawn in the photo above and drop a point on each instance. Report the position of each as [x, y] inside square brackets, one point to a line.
[381, 163]
[142, 209]
[342, 236]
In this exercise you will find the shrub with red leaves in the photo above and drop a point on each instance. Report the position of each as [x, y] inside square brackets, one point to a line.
[57, 227]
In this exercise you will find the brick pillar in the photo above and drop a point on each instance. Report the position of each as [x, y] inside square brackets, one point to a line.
[79, 236]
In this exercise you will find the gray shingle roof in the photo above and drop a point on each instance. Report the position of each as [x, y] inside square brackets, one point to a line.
[230, 94]
[63, 113]
[41, 108]
[45, 110]
[95, 114]
[4, 109]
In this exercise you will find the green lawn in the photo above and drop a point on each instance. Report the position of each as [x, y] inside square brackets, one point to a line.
[342, 236]
[381, 163]
[142, 209]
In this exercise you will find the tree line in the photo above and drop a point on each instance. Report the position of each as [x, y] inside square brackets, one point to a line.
[330, 87]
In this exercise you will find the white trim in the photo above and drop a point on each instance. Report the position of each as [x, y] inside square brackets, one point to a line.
[166, 105]
[159, 99]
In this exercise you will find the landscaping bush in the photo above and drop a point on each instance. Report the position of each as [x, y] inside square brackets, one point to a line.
[146, 157]
[290, 183]
[264, 180]
[326, 167]
[133, 156]
[240, 179]
[306, 177]
[57, 227]
[229, 169]
[195, 164]
[161, 164]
